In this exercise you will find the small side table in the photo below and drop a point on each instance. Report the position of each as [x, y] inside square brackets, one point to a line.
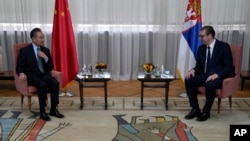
[244, 75]
[91, 82]
[150, 82]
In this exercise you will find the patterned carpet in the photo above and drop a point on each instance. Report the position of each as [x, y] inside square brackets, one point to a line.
[126, 103]
[122, 121]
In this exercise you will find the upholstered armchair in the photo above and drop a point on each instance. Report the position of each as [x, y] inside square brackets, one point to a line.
[22, 85]
[229, 85]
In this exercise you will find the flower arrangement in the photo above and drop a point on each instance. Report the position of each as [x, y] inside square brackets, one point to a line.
[148, 67]
[100, 65]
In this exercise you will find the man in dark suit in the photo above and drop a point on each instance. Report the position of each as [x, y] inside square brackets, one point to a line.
[39, 74]
[208, 72]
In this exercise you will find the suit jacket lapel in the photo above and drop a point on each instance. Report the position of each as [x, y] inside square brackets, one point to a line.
[204, 53]
[32, 53]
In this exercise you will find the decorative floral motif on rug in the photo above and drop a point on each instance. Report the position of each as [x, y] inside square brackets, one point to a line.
[153, 128]
[30, 129]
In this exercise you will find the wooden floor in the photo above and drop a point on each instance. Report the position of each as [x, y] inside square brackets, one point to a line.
[119, 89]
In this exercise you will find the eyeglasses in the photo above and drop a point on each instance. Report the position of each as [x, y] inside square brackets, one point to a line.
[201, 36]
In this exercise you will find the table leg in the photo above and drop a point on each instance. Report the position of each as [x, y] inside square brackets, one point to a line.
[142, 93]
[166, 95]
[105, 95]
[81, 93]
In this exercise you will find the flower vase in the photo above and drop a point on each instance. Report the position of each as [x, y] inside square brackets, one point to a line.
[100, 71]
[148, 74]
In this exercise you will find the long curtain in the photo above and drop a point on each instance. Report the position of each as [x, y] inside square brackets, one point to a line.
[125, 34]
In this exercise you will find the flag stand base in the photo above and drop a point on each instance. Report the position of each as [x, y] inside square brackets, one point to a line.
[66, 93]
[183, 94]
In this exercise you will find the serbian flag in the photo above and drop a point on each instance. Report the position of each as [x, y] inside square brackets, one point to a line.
[63, 43]
[189, 41]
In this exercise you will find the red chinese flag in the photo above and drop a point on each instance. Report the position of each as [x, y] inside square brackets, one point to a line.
[63, 43]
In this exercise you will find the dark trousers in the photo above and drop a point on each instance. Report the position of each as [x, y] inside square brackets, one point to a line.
[199, 80]
[43, 83]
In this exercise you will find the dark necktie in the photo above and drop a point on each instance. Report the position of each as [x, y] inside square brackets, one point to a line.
[39, 61]
[208, 61]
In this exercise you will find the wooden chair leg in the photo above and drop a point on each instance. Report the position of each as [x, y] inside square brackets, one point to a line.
[242, 83]
[218, 109]
[29, 103]
[230, 103]
[22, 99]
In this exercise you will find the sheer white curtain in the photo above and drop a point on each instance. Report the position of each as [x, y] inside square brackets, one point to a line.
[128, 33]
[123, 33]
[246, 49]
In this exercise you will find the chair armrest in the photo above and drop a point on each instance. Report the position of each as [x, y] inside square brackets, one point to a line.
[21, 86]
[229, 86]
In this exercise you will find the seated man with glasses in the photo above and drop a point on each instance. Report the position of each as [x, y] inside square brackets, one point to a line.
[34, 64]
[213, 64]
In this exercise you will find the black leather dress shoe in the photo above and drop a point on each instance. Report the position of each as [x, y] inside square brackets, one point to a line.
[203, 117]
[44, 116]
[56, 113]
[193, 113]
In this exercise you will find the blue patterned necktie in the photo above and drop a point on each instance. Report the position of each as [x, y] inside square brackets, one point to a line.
[39, 61]
[208, 61]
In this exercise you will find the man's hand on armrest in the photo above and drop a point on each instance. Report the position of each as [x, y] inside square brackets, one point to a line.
[22, 76]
